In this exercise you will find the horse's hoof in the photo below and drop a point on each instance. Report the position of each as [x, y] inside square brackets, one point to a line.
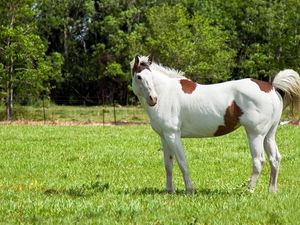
[190, 191]
[250, 190]
[272, 189]
[170, 191]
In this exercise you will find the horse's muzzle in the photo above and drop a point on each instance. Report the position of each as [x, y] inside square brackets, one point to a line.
[152, 101]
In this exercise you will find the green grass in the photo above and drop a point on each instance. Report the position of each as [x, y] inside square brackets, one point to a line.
[52, 112]
[115, 175]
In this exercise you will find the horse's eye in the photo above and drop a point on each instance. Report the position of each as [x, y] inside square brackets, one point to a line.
[139, 77]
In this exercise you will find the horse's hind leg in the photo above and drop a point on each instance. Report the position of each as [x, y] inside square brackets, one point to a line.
[274, 158]
[257, 153]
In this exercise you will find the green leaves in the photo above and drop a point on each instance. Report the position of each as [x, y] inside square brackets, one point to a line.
[190, 43]
[114, 70]
[264, 35]
[211, 41]
[26, 70]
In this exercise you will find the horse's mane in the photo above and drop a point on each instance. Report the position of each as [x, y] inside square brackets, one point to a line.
[167, 71]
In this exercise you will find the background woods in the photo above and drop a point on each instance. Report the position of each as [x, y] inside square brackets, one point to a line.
[78, 51]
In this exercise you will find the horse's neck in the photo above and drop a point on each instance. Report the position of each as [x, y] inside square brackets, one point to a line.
[164, 87]
[161, 83]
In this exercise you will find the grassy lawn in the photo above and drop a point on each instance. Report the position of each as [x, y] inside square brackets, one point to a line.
[115, 175]
[87, 114]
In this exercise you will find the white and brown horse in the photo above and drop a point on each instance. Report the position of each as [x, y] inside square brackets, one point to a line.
[178, 107]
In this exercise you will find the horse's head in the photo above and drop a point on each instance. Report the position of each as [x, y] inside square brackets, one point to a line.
[142, 79]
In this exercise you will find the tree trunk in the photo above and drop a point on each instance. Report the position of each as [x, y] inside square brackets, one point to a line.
[9, 96]
[66, 48]
[9, 83]
[9, 99]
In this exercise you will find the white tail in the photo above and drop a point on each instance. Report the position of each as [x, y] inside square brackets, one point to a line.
[288, 81]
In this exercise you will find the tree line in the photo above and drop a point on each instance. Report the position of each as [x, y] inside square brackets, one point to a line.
[78, 51]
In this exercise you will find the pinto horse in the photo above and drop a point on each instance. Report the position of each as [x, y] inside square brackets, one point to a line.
[179, 107]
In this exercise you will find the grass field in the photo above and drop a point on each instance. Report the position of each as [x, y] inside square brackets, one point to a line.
[115, 175]
[100, 114]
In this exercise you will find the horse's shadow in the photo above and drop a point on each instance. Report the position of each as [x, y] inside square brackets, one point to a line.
[92, 188]
[181, 192]
[144, 191]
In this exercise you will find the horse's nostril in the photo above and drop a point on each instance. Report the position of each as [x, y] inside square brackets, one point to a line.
[153, 99]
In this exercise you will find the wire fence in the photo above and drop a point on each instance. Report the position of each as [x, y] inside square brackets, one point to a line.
[47, 112]
[105, 114]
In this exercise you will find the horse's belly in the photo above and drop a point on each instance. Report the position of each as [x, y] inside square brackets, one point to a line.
[185, 133]
[200, 129]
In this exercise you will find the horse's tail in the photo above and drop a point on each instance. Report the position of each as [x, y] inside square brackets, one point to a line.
[287, 83]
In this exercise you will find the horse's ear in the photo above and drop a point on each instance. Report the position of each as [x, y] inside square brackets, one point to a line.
[136, 60]
[135, 65]
[150, 59]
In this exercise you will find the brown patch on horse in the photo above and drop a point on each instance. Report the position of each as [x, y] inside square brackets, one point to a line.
[231, 120]
[188, 86]
[263, 85]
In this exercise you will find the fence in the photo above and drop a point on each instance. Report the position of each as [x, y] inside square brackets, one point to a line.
[114, 114]
[105, 115]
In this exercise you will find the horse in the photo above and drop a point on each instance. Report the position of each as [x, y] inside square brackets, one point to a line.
[180, 108]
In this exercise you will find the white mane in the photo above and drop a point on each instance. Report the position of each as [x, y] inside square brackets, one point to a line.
[167, 71]
[172, 73]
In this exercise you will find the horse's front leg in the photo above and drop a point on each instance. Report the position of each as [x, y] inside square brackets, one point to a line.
[173, 141]
[168, 160]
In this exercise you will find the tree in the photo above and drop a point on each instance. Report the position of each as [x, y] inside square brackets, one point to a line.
[24, 66]
[264, 34]
[117, 31]
[283, 36]
[210, 40]
[188, 42]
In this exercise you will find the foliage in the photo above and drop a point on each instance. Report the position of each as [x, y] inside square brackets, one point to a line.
[115, 175]
[210, 40]
[25, 69]
[262, 32]
[190, 43]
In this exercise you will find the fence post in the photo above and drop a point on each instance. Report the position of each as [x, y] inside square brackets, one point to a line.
[103, 110]
[103, 116]
[44, 111]
[115, 116]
